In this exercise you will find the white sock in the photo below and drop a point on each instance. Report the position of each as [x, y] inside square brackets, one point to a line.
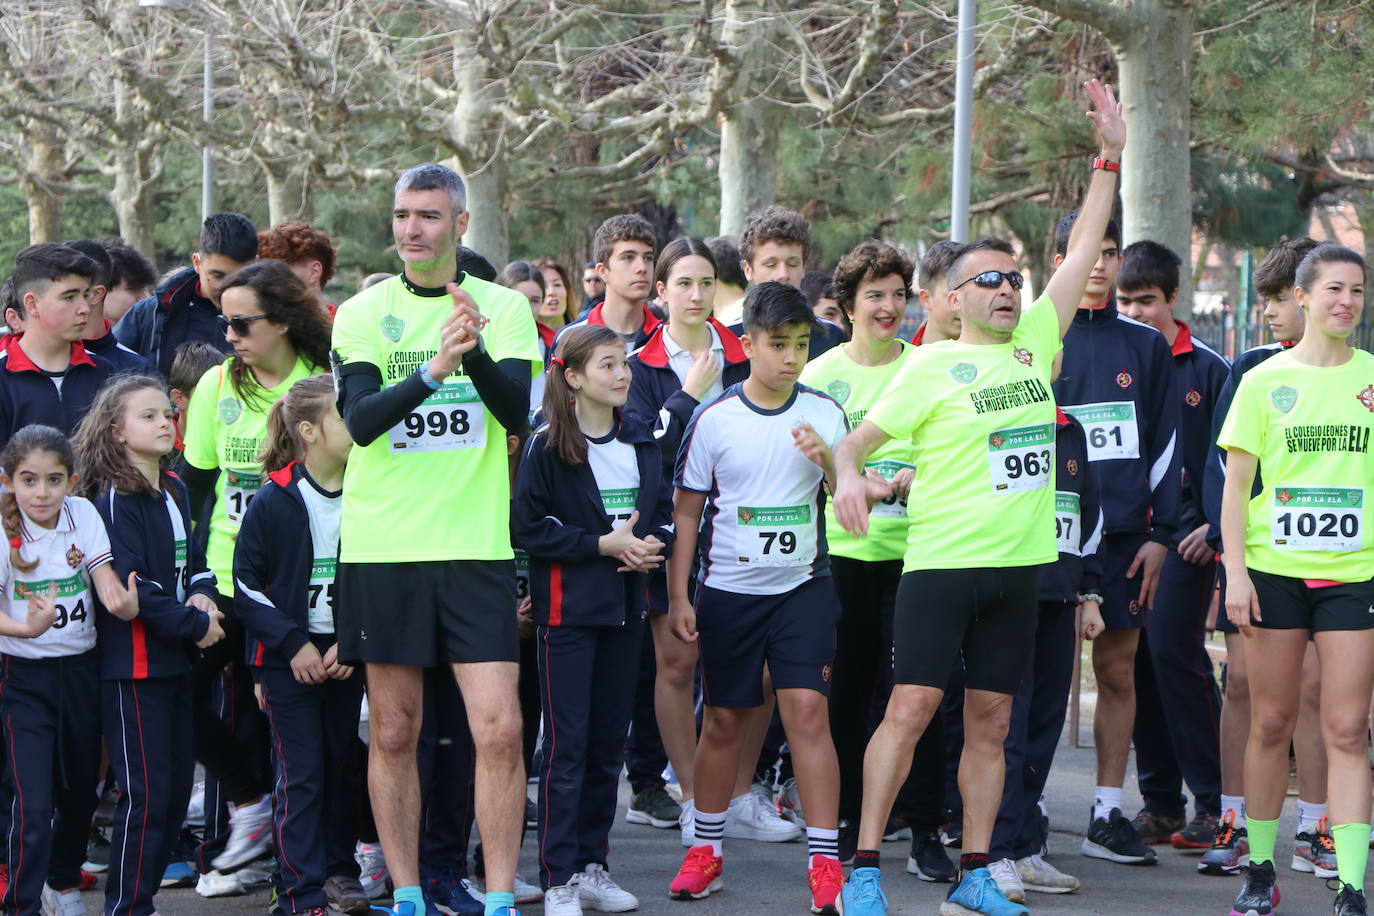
[1234, 803]
[710, 830]
[1104, 800]
[1309, 813]
[822, 841]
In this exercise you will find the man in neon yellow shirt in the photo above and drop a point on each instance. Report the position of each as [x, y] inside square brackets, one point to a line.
[433, 368]
[981, 417]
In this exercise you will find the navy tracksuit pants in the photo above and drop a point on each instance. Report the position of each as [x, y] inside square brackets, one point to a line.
[587, 676]
[313, 729]
[445, 762]
[51, 711]
[1174, 673]
[645, 758]
[148, 725]
[1037, 720]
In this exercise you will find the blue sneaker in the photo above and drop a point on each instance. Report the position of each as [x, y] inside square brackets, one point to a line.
[507, 911]
[179, 874]
[863, 893]
[977, 894]
[452, 892]
[404, 908]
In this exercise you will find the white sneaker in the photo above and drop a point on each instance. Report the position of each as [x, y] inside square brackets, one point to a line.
[218, 884]
[250, 833]
[195, 808]
[253, 878]
[789, 804]
[752, 817]
[562, 901]
[600, 893]
[1008, 880]
[63, 904]
[1039, 875]
[373, 874]
[526, 892]
[687, 823]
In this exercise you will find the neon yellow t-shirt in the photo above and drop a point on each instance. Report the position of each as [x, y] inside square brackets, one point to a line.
[982, 421]
[436, 486]
[857, 388]
[226, 431]
[1310, 428]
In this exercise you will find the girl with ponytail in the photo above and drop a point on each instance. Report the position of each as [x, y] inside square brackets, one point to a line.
[592, 512]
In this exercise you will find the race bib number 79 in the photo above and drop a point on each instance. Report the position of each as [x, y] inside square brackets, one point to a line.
[1318, 518]
[775, 536]
[1021, 458]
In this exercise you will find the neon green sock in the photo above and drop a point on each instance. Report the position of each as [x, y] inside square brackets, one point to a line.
[1352, 852]
[1263, 835]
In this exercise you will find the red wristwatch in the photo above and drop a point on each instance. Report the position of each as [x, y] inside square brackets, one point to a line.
[1106, 164]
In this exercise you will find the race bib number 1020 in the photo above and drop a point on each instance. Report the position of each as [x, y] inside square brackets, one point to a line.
[1318, 518]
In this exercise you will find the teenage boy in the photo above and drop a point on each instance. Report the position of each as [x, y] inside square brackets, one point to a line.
[97, 338]
[1118, 381]
[185, 306]
[131, 277]
[764, 594]
[1172, 668]
[624, 248]
[942, 320]
[306, 250]
[46, 376]
[983, 428]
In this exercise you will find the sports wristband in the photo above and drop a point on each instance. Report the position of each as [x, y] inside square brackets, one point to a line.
[1109, 165]
[428, 377]
[1090, 596]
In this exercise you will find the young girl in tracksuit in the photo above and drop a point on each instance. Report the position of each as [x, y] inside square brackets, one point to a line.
[125, 446]
[284, 565]
[594, 516]
[49, 669]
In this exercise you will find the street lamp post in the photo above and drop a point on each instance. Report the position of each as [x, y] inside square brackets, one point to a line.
[207, 162]
[963, 121]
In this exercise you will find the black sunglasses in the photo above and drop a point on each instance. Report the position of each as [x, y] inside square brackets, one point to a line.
[242, 324]
[992, 279]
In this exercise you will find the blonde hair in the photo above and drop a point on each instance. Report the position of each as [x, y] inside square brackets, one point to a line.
[307, 401]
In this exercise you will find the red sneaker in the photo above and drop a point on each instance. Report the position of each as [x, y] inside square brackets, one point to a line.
[826, 877]
[88, 881]
[4, 878]
[699, 875]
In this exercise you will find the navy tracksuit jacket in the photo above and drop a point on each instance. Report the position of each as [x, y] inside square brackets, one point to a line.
[313, 727]
[588, 642]
[1173, 671]
[28, 395]
[651, 323]
[175, 313]
[146, 705]
[120, 357]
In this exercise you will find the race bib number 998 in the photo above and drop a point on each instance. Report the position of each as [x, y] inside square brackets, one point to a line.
[1022, 458]
[775, 536]
[451, 418]
[1318, 518]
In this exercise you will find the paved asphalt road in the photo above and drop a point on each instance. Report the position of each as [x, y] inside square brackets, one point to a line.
[770, 879]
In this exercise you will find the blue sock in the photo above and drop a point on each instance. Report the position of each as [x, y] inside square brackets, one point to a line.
[411, 893]
[496, 900]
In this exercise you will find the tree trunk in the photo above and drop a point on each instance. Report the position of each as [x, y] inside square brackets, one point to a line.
[748, 161]
[1156, 176]
[474, 132]
[132, 199]
[43, 165]
[488, 233]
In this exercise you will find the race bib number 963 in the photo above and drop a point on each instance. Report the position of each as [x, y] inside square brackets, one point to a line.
[1022, 458]
[1318, 518]
[451, 418]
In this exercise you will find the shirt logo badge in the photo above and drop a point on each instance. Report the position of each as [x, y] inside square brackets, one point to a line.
[1023, 355]
[996, 440]
[1367, 398]
[839, 390]
[745, 516]
[1192, 398]
[963, 373]
[229, 411]
[826, 671]
[74, 557]
[1283, 496]
[392, 328]
[1124, 378]
[1283, 398]
[1072, 467]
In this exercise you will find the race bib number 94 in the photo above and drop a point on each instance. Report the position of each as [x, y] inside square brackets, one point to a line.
[775, 536]
[1021, 458]
[1111, 428]
[1318, 518]
[451, 418]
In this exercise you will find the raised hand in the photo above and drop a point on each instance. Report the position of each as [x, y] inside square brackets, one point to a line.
[1107, 118]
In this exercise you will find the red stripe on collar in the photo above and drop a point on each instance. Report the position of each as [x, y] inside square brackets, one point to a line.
[1183, 343]
[18, 360]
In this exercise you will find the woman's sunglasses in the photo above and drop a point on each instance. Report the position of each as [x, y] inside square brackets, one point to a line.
[243, 324]
[992, 279]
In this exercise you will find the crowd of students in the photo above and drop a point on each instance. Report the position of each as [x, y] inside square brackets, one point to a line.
[722, 528]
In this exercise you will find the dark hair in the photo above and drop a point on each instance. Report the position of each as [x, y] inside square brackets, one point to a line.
[192, 360]
[569, 310]
[1145, 264]
[284, 300]
[1064, 228]
[295, 241]
[771, 306]
[627, 227]
[104, 462]
[97, 253]
[30, 439]
[1277, 271]
[128, 265]
[814, 285]
[306, 401]
[684, 246]
[955, 275]
[520, 272]
[46, 263]
[430, 176]
[1325, 253]
[937, 261]
[870, 260]
[232, 235]
[773, 224]
[9, 299]
[470, 262]
[575, 348]
[725, 251]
